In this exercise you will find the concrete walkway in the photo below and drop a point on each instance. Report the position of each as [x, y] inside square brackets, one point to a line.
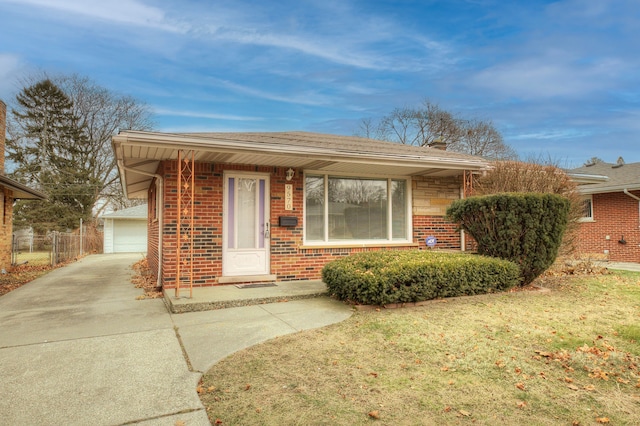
[76, 348]
[623, 266]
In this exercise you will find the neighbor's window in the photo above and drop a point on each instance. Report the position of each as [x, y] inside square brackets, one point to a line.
[343, 209]
[587, 206]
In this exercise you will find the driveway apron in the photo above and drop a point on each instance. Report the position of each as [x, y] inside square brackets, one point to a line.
[76, 348]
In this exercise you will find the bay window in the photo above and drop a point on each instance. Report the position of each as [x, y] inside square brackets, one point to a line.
[347, 209]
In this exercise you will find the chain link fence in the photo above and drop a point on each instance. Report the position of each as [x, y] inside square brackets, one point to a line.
[54, 248]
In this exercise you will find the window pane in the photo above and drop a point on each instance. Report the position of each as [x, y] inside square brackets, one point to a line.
[357, 209]
[587, 212]
[398, 210]
[246, 213]
[314, 208]
[231, 239]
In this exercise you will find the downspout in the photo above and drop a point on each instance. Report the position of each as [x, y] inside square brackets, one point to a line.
[159, 211]
[463, 242]
[626, 191]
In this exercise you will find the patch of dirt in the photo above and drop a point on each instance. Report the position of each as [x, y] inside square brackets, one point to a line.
[144, 279]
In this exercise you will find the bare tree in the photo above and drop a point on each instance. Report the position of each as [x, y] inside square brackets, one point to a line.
[100, 114]
[428, 124]
[482, 138]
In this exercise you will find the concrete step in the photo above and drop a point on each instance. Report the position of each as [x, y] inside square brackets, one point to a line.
[233, 296]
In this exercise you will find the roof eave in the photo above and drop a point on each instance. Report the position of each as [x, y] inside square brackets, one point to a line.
[21, 191]
[589, 189]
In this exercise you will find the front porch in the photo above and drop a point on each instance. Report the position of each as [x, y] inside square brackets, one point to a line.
[232, 296]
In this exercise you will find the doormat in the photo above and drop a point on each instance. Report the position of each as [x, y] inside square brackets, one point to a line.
[256, 285]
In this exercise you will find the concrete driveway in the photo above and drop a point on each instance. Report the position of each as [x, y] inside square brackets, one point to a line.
[76, 348]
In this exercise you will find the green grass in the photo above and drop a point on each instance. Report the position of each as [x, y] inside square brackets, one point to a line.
[568, 356]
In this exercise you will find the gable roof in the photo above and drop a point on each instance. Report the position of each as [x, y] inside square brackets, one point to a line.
[619, 177]
[136, 212]
[139, 154]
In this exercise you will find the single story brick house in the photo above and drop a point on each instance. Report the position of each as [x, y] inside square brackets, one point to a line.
[257, 207]
[10, 190]
[611, 223]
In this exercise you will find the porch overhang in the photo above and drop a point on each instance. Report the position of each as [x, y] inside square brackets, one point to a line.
[139, 154]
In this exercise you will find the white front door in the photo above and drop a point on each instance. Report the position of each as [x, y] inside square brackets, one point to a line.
[246, 224]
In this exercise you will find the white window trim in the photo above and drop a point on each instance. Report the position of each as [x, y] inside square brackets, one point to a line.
[588, 219]
[350, 243]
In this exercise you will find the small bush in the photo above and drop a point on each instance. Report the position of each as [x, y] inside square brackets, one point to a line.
[380, 278]
[526, 228]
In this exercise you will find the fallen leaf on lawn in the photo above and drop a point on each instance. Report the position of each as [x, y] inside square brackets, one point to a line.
[373, 374]
[445, 368]
[200, 389]
[464, 413]
[211, 388]
[568, 379]
[247, 387]
[573, 387]
[218, 422]
[375, 414]
[602, 419]
[590, 388]
[521, 404]
[520, 386]
[621, 380]
[179, 423]
[447, 409]
[544, 354]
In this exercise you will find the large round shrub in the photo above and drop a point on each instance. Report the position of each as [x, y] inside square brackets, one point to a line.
[526, 228]
[384, 277]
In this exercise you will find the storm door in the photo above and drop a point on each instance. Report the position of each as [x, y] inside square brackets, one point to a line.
[246, 225]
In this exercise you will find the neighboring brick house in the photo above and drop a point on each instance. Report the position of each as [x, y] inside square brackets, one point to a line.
[278, 206]
[10, 190]
[611, 224]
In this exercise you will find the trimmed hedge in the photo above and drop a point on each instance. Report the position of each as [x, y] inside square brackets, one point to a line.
[526, 228]
[384, 277]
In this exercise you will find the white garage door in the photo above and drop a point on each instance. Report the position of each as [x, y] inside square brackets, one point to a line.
[129, 236]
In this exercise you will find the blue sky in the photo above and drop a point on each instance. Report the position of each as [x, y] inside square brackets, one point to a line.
[559, 79]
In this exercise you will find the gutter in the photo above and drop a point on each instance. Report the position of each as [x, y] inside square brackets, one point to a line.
[159, 201]
[626, 191]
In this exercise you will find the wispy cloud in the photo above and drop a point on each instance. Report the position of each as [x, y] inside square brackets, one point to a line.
[301, 98]
[203, 114]
[129, 12]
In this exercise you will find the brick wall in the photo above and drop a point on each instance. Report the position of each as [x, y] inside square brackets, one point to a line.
[290, 259]
[6, 227]
[615, 215]
[432, 195]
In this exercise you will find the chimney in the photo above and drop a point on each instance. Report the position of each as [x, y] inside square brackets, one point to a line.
[438, 144]
[3, 133]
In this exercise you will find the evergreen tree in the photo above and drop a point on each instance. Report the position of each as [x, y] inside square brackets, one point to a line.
[45, 151]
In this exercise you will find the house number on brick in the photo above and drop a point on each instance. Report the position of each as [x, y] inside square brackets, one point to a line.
[288, 197]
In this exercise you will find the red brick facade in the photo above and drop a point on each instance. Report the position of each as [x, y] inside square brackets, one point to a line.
[616, 218]
[6, 227]
[289, 258]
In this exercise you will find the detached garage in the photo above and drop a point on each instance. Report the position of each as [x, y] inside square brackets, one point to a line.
[125, 231]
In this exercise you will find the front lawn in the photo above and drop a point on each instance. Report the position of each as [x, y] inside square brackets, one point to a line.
[568, 356]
